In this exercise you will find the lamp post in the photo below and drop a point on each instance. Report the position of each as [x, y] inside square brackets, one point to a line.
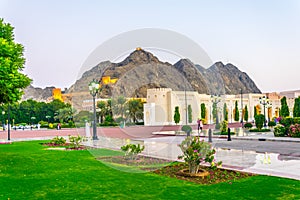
[94, 88]
[8, 122]
[3, 120]
[264, 101]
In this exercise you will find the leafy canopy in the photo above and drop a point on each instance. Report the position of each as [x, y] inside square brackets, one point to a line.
[12, 81]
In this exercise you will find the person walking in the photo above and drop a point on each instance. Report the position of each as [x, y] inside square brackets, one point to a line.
[200, 125]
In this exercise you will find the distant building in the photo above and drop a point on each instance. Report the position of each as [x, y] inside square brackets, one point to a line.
[161, 103]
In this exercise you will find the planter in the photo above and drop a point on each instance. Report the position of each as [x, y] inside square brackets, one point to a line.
[201, 173]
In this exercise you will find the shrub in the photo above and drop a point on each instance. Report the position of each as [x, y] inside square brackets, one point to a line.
[132, 150]
[294, 130]
[296, 120]
[248, 125]
[271, 124]
[279, 130]
[259, 130]
[58, 141]
[195, 152]
[259, 121]
[224, 126]
[75, 141]
[286, 121]
[218, 126]
[51, 126]
[187, 129]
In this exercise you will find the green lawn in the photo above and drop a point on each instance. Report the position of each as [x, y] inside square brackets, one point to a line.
[28, 171]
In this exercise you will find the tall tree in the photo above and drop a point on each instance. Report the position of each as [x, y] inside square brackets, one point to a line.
[296, 109]
[190, 114]
[236, 113]
[176, 115]
[225, 112]
[284, 111]
[12, 61]
[215, 112]
[203, 111]
[102, 105]
[135, 107]
[246, 114]
[255, 111]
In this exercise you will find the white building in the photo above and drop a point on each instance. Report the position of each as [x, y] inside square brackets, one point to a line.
[161, 103]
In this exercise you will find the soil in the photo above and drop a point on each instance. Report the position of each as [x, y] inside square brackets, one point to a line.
[179, 170]
[68, 146]
[214, 176]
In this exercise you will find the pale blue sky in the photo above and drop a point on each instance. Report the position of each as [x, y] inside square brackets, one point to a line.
[262, 38]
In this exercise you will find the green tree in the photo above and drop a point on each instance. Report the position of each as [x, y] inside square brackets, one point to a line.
[284, 111]
[190, 114]
[203, 111]
[214, 112]
[246, 115]
[259, 121]
[12, 61]
[176, 115]
[102, 110]
[83, 116]
[296, 109]
[119, 106]
[135, 107]
[225, 112]
[236, 113]
[65, 114]
[255, 111]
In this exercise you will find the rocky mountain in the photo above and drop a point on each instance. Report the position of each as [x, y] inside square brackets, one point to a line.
[142, 70]
[37, 94]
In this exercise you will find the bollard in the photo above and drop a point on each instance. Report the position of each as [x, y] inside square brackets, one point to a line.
[210, 135]
[228, 136]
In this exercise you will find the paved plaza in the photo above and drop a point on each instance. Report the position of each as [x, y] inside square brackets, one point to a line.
[257, 153]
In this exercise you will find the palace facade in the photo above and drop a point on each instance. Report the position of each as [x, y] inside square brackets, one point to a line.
[161, 103]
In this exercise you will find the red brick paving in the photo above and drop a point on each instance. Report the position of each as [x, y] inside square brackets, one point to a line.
[113, 132]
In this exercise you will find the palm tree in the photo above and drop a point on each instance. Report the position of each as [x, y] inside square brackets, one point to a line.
[135, 106]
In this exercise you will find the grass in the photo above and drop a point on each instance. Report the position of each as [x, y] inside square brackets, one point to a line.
[28, 171]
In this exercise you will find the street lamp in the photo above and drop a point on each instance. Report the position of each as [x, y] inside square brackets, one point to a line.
[94, 88]
[264, 101]
[3, 121]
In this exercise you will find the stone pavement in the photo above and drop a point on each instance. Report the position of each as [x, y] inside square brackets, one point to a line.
[250, 152]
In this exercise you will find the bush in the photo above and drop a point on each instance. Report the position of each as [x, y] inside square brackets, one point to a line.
[58, 141]
[218, 126]
[296, 120]
[248, 125]
[224, 126]
[294, 130]
[132, 150]
[75, 141]
[259, 130]
[286, 121]
[187, 129]
[196, 152]
[271, 124]
[259, 121]
[280, 130]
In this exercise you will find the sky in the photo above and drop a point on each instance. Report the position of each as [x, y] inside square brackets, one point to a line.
[260, 37]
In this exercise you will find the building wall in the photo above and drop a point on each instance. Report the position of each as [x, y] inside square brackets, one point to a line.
[162, 102]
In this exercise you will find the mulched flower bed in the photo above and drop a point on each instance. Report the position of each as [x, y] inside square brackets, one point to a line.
[174, 169]
[215, 176]
[142, 162]
[68, 146]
